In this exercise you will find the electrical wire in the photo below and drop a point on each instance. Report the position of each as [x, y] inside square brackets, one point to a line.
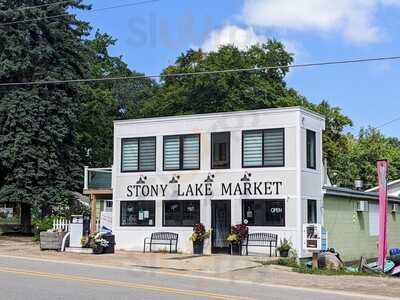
[388, 123]
[42, 5]
[173, 75]
[87, 11]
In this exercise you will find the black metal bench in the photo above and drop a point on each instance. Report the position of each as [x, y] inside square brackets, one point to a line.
[162, 238]
[261, 239]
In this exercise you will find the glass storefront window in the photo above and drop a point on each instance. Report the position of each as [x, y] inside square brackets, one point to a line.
[138, 213]
[181, 213]
[263, 212]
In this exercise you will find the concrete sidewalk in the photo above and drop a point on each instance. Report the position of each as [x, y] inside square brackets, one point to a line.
[220, 267]
[215, 264]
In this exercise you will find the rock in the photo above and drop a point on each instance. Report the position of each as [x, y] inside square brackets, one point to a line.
[329, 261]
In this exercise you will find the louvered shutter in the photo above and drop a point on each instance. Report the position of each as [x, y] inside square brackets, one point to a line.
[191, 152]
[252, 149]
[171, 152]
[130, 150]
[274, 147]
[147, 157]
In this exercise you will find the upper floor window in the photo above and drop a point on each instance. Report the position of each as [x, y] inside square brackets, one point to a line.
[220, 150]
[263, 148]
[311, 150]
[138, 154]
[182, 152]
[311, 211]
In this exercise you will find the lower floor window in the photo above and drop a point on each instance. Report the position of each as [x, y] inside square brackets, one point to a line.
[263, 212]
[138, 213]
[181, 213]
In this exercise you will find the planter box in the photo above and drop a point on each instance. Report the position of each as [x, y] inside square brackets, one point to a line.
[51, 240]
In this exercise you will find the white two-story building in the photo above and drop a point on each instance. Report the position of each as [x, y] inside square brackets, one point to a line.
[262, 168]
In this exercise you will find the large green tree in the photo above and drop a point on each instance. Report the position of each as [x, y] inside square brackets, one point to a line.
[105, 101]
[358, 156]
[39, 159]
[232, 91]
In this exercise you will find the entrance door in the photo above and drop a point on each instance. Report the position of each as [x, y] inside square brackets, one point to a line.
[221, 225]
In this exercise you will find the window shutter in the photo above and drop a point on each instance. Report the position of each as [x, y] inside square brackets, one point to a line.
[147, 154]
[252, 149]
[274, 147]
[191, 152]
[130, 155]
[171, 153]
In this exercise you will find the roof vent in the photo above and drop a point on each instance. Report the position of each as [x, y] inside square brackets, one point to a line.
[358, 184]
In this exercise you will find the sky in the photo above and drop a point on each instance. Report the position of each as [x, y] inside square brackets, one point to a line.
[151, 35]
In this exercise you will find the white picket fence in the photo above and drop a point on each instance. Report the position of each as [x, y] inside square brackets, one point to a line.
[63, 225]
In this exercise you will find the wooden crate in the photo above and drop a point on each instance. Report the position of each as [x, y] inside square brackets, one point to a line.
[51, 240]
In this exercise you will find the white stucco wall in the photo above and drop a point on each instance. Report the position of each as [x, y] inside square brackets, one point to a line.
[298, 182]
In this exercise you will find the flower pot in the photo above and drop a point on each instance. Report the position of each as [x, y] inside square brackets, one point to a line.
[198, 247]
[236, 249]
[284, 253]
[97, 249]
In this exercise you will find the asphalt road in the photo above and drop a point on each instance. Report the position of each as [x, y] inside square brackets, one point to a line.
[35, 279]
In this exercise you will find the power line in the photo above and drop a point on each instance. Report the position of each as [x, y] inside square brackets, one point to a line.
[388, 123]
[339, 62]
[88, 11]
[42, 5]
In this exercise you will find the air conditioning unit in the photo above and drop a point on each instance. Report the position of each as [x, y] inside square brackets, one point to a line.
[362, 206]
[394, 207]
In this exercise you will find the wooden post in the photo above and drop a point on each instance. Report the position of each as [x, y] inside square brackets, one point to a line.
[93, 217]
[315, 261]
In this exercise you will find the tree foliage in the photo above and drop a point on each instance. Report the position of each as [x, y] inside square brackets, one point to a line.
[39, 160]
[358, 156]
[105, 101]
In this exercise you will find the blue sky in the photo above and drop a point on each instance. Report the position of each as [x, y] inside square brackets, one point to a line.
[152, 35]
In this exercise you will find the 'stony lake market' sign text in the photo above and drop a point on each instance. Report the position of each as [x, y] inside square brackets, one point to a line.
[258, 188]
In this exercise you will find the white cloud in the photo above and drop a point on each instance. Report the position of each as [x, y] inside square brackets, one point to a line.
[353, 18]
[230, 34]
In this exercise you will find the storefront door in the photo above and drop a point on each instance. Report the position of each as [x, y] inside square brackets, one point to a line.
[221, 224]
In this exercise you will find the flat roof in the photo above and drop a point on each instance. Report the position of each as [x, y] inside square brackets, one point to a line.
[345, 192]
[389, 184]
[224, 114]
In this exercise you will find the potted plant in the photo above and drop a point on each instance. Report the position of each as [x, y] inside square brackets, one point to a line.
[96, 242]
[198, 236]
[284, 247]
[238, 234]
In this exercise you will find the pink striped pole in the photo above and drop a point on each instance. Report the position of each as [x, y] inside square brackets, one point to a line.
[382, 166]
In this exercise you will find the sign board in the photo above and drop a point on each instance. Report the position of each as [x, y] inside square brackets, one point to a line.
[6, 212]
[105, 221]
[315, 237]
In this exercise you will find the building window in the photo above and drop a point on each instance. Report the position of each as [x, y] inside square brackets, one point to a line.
[312, 211]
[138, 154]
[311, 150]
[263, 148]
[263, 212]
[220, 150]
[108, 206]
[181, 213]
[138, 213]
[182, 152]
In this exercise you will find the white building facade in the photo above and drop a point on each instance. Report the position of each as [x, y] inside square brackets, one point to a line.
[262, 168]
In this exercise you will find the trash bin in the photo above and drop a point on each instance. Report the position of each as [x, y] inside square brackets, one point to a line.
[110, 238]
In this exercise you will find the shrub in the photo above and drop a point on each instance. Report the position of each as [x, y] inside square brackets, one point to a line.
[40, 225]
